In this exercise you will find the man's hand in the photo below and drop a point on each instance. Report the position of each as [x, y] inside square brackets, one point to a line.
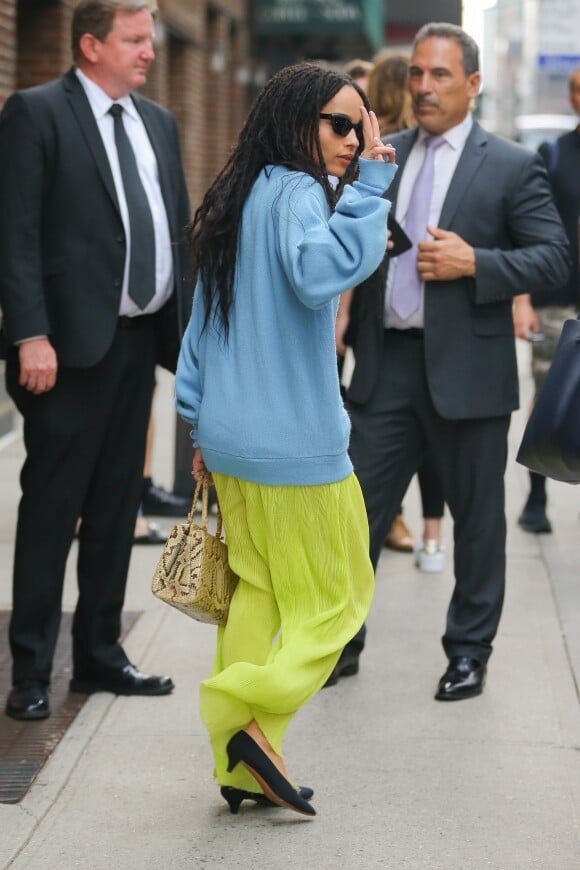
[38, 365]
[525, 318]
[445, 258]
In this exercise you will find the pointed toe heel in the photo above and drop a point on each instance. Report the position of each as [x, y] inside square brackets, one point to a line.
[235, 796]
[243, 749]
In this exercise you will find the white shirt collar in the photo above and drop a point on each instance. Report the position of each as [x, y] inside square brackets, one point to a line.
[100, 101]
[456, 136]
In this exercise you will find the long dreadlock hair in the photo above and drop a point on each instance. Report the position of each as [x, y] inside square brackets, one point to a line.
[281, 128]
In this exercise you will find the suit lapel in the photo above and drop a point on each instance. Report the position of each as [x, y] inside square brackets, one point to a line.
[472, 157]
[403, 144]
[154, 133]
[84, 115]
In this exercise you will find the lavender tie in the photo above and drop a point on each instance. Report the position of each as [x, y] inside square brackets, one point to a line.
[406, 296]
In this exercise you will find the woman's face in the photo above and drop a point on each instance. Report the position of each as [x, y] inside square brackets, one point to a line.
[339, 150]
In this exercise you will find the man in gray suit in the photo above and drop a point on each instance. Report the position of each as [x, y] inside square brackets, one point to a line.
[433, 336]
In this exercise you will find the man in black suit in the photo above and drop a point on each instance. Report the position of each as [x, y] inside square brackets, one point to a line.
[438, 369]
[93, 205]
[546, 313]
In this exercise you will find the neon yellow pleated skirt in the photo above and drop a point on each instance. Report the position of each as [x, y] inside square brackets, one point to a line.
[305, 588]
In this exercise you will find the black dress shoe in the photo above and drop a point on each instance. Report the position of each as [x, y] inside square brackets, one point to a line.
[346, 666]
[533, 519]
[154, 535]
[28, 700]
[127, 681]
[156, 501]
[464, 678]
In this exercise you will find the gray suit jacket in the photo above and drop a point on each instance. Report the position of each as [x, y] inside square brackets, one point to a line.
[499, 202]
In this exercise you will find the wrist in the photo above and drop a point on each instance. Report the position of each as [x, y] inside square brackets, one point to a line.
[472, 264]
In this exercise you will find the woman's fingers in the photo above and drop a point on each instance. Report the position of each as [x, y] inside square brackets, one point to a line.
[374, 149]
[368, 129]
[374, 125]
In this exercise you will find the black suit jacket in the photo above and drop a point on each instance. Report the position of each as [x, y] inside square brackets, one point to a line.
[62, 242]
[562, 159]
[499, 202]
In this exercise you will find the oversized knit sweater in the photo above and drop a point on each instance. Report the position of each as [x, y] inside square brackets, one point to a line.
[265, 406]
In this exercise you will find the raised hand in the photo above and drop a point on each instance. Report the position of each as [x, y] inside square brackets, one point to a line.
[374, 149]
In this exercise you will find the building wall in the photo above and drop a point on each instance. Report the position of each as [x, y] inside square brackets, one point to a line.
[7, 47]
[200, 73]
[533, 45]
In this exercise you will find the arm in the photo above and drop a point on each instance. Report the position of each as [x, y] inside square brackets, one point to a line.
[21, 284]
[538, 255]
[188, 379]
[539, 260]
[22, 179]
[323, 256]
[525, 318]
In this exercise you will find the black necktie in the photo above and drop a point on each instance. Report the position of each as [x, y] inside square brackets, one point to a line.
[142, 261]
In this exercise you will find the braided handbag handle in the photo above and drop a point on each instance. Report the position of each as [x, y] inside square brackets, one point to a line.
[203, 485]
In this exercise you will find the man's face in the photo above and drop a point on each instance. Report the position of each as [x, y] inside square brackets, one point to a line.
[440, 89]
[122, 59]
[575, 92]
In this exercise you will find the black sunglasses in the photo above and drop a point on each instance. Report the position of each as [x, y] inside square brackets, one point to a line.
[342, 125]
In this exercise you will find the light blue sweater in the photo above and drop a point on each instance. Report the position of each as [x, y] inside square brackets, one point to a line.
[266, 406]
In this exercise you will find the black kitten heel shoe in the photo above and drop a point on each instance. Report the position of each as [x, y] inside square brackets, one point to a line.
[243, 749]
[234, 796]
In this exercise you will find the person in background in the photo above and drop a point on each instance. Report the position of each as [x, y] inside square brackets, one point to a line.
[544, 313]
[359, 71]
[92, 214]
[155, 500]
[273, 245]
[434, 338]
[388, 93]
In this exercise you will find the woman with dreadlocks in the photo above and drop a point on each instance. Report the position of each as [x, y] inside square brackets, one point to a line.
[273, 246]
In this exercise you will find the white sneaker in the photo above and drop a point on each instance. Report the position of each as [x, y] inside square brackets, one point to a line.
[430, 558]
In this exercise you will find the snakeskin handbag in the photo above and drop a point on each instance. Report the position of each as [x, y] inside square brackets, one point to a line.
[193, 573]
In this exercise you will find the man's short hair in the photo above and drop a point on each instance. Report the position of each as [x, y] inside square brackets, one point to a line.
[444, 30]
[96, 17]
[572, 83]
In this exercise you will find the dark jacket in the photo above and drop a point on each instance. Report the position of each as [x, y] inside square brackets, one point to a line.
[499, 202]
[62, 242]
[562, 159]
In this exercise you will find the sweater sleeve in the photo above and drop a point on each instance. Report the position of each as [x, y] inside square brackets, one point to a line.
[324, 254]
[188, 382]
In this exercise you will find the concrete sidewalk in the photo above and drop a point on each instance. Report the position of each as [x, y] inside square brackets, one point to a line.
[401, 782]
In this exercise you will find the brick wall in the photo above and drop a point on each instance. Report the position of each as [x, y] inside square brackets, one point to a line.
[199, 70]
[7, 48]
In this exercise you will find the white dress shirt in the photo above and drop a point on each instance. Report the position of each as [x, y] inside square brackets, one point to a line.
[100, 104]
[446, 160]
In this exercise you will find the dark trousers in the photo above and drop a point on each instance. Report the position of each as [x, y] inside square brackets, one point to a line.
[391, 434]
[432, 500]
[85, 447]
